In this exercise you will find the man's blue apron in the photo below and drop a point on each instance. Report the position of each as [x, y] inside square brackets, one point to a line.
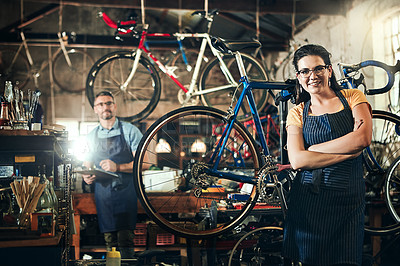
[325, 220]
[116, 200]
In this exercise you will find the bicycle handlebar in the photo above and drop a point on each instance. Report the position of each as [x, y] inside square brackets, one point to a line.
[390, 71]
[123, 27]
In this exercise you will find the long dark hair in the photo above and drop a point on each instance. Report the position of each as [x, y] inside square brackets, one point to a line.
[318, 50]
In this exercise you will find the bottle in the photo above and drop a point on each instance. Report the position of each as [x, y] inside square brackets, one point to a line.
[4, 118]
[46, 201]
[113, 258]
[53, 193]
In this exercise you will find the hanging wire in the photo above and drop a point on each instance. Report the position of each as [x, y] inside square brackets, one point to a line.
[22, 11]
[143, 14]
[258, 20]
[60, 15]
[293, 20]
[180, 16]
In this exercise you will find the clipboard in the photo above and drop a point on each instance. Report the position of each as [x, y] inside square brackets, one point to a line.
[98, 173]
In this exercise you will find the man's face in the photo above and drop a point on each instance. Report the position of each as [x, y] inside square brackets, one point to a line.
[105, 107]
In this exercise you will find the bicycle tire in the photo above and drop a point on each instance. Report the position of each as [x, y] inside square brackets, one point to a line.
[196, 202]
[213, 77]
[384, 150]
[287, 69]
[18, 72]
[142, 94]
[245, 236]
[392, 190]
[184, 74]
[72, 79]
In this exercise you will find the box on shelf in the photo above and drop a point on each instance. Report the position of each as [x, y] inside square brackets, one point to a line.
[140, 234]
[159, 180]
[165, 239]
[44, 223]
[140, 240]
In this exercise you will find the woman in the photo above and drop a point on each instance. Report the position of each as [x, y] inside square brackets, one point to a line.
[327, 131]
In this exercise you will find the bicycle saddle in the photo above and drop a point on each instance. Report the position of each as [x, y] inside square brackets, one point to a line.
[226, 46]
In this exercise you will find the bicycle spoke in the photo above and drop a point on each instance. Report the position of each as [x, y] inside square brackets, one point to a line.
[135, 99]
[194, 189]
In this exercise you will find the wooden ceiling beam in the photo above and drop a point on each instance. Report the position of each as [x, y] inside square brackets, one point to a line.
[32, 18]
[314, 7]
[252, 26]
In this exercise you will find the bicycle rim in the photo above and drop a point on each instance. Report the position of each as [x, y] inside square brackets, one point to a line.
[213, 77]
[262, 241]
[384, 145]
[141, 95]
[183, 198]
[72, 78]
[14, 67]
[392, 190]
[384, 150]
[288, 70]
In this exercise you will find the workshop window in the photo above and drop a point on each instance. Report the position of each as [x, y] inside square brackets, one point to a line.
[391, 28]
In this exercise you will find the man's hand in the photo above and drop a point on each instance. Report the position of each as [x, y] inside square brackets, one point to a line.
[108, 165]
[89, 179]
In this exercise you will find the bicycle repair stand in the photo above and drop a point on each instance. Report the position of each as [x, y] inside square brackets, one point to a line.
[376, 258]
[195, 250]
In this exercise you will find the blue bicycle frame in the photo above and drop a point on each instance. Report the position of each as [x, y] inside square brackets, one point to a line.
[247, 92]
[177, 41]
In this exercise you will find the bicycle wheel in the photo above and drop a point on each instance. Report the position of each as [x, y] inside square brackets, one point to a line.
[14, 67]
[382, 152]
[261, 246]
[187, 199]
[183, 71]
[141, 95]
[392, 190]
[213, 78]
[288, 70]
[72, 78]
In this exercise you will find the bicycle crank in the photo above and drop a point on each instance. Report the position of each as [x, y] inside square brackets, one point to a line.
[268, 185]
[183, 98]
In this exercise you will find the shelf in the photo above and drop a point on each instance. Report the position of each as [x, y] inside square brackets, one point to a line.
[38, 242]
[24, 142]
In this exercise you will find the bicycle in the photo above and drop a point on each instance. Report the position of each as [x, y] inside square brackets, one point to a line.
[135, 82]
[381, 157]
[67, 68]
[261, 246]
[204, 189]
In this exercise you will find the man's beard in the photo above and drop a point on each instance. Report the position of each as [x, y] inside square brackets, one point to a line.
[107, 115]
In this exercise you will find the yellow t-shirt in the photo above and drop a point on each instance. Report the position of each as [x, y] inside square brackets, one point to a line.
[353, 97]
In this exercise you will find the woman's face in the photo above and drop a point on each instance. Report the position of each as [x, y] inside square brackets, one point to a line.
[313, 74]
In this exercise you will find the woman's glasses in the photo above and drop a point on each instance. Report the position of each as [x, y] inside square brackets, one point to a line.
[318, 70]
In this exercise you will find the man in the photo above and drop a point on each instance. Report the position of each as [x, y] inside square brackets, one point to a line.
[112, 146]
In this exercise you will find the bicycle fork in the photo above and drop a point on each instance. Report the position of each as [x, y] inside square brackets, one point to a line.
[133, 71]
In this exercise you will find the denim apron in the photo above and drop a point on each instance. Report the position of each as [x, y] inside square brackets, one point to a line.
[325, 221]
[116, 200]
